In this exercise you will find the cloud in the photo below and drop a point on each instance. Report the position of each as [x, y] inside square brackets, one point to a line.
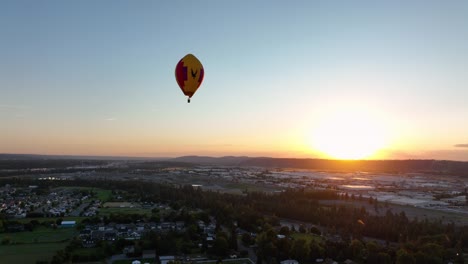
[111, 119]
[461, 145]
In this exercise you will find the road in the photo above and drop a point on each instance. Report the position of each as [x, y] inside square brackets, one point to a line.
[78, 210]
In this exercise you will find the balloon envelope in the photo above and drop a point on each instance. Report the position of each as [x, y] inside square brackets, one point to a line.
[189, 74]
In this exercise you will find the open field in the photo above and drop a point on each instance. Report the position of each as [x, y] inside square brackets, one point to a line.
[239, 188]
[40, 235]
[102, 194]
[116, 210]
[410, 211]
[78, 219]
[445, 215]
[29, 253]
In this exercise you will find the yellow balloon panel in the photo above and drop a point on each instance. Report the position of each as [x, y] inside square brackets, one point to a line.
[189, 74]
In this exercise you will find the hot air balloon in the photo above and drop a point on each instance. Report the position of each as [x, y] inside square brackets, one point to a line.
[189, 74]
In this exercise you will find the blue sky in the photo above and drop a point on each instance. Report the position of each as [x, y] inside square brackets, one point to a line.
[97, 77]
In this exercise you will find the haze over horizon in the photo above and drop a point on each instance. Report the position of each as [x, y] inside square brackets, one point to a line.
[307, 79]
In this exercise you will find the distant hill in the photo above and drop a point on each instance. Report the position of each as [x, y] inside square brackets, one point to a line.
[227, 160]
[6, 156]
[31, 161]
[394, 166]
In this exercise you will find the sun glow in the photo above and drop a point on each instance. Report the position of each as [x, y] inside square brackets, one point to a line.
[349, 134]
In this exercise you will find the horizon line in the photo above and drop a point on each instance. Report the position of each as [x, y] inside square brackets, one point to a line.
[76, 156]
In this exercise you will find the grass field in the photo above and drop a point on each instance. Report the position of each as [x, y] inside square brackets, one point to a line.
[78, 219]
[29, 253]
[410, 211]
[115, 210]
[102, 194]
[89, 252]
[40, 235]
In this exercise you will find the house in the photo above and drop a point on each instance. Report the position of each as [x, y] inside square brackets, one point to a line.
[289, 261]
[68, 223]
[129, 250]
[110, 235]
[88, 243]
[140, 227]
[210, 241]
[15, 228]
[166, 259]
[85, 233]
[180, 225]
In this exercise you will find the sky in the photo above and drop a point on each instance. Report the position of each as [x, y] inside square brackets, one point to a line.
[306, 79]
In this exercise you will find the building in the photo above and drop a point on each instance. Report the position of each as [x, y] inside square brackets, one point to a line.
[166, 259]
[68, 224]
[289, 261]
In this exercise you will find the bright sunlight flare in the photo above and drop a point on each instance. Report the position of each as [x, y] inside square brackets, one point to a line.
[349, 134]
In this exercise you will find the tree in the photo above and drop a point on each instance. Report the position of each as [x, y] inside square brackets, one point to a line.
[266, 245]
[220, 247]
[233, 239]
[423, 258]
[315, 230]
[383, 258]
[433, 250]
[357, 249]
[300, 250]
[6, 240]
[61, 257]
[246, 239]
[302, 229]
[284, 231]
[403, 257]
[283, 248]
[316, 250]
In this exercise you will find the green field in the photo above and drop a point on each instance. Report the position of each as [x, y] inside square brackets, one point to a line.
[78, 219]
[29, 253]
[84, 251]
[40, 235]
[410, 211]
[102, 194]
[124, 210]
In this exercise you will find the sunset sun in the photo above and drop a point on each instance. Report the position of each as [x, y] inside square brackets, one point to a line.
[348, 135]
